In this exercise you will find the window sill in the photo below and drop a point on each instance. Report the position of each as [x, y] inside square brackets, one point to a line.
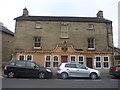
[36, 47]
[38, 28]
[91, 48]
[90, 28]
[63, 38]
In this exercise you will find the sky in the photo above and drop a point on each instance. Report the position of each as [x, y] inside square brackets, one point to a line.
[10, 9]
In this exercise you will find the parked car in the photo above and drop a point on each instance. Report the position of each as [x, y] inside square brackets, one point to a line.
[23, 68]
[115, 71]
[66, 70]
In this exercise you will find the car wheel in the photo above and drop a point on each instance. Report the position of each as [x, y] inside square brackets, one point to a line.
[64, 75]
[11, 74]
[41, 75]
[93, 76]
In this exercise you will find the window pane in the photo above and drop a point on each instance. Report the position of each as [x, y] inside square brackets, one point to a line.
[72, 58]
[48, 58]
[37, 39]
[47, 64]
[106, 65]
[105, 58]
[29, 57]
[21, 57]
[55, 64]
[37, 44]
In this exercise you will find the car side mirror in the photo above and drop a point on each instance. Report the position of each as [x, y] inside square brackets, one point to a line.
[35, 67]
[86, 68]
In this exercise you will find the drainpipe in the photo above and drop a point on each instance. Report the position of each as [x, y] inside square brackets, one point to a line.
[107, 25]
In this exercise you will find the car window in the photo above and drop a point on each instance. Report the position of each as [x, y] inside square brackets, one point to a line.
[20, 64]
[118, 67]
[80, 66]
[12, 64]
[70, 65]
[30, 64]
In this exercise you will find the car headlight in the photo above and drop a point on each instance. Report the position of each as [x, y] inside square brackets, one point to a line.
[48, 70]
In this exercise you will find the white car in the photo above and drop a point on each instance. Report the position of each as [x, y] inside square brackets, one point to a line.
[66, 70]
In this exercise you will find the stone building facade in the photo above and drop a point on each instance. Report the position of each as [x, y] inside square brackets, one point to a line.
[51, 40]
[6, 44]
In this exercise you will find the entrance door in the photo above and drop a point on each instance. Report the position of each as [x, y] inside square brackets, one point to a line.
[64, 59]
[89, 62]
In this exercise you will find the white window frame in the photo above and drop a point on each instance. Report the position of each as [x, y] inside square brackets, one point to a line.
[79, 60]
[98, 61]
[21, 55]
[54, 60]
[107, 62]
[31, 57]
[89, 48]
[38, 25]
[46, 61]
[90, 26]
[37, 42]
[71, 56]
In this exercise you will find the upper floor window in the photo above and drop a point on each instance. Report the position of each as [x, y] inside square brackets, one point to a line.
[38, 25]
[37, 42]
[90, 26]
[91, 43]
[64, 31]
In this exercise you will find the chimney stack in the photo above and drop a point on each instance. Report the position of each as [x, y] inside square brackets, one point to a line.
[25, 12]
[100, 14]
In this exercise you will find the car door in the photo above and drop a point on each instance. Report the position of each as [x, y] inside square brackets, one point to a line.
[32, 69]
[82, 71]
[71, 69]
[20, 68]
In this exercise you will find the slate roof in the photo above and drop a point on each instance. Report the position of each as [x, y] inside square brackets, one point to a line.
[5, 30]
[62, 18]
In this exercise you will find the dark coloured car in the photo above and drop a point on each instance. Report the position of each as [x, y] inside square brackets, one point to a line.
[115, 71]
[23, 68]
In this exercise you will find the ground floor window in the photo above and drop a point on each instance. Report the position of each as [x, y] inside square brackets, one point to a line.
[48, 61]
[21, 57]
[98, 62]
[55, 61]
[29, 57]
[106, 62]
[73, 58]
[81, 59]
